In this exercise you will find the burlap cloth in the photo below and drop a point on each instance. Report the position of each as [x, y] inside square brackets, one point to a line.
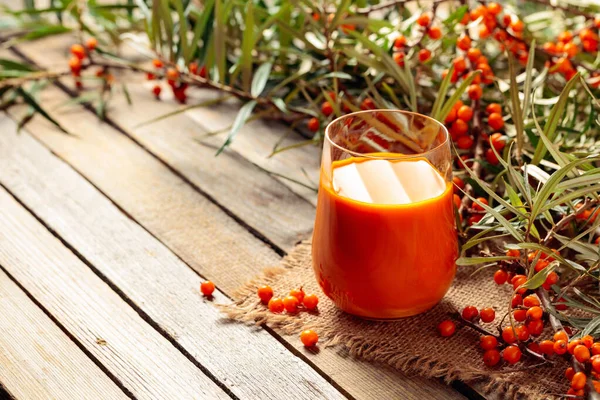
[412, 344]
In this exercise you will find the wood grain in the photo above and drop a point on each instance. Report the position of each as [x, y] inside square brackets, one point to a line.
[38, 361]
[360, 379]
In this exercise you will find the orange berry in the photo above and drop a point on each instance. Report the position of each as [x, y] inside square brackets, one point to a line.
[581, 353]
[597, 21]
[478, 207]
[588, 341]
[207, 288]
[276, 305]
[434, 32]
[465, 113]
[565, 37]
[506, 20]
[564, 65]
[78, 51]
[495, 121]
[311, 301]
[457, 200]
[572, 344]
[458, 183]
[517, 26]
[491, 157]
[473, 219]
[464, 142]
[446, 328]
[309, 338]
[157, 63]
[474, 92]
[511, 354]
[540, 265]
[517, 300]
[491, 357]
[424, 55]
[460, 65]
[571, 49]
[520, 315]
[595, 348]
[535, 313]
[487, 314]
[203, 73]
[560, 347]
[265, 293]
[423, 19]
[561, 335]
[399, 58]
[473, 54]
[291, 303]
[400, 42]
[497, 141]
[500, 276]
[470, 313]
[596, 364]
[550, 280]
[172, 74]
[297, 293]
[484, 32]
[326, 108]
[569, 373]
[578, 381]
[535, 347]
[75, 65]
[313, 124]
[451, 116]
[549, 47]
[488, 342]
[463, 42]
[531, 301]
[91, 44]
[156, 90]
[535, 327]
[494, 8]
[193, 67]
[459, 129]
[517, 282]
[478, 12]
[522, 333]
[547, 347]
[513, 253]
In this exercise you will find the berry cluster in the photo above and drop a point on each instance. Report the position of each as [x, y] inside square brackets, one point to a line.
[79, 53]
[173, 77]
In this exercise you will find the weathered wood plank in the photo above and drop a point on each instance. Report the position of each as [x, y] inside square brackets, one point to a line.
[373, 379]
[38, 360]
[143, 361]
[152, 277]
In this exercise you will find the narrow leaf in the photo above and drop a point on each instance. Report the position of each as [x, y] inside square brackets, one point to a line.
[239, 121]
[261, 77]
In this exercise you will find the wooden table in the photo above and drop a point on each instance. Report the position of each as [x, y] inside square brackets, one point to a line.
[107, 233]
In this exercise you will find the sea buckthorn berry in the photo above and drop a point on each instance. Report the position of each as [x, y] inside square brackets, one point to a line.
[560, 347]
[464, 142]
[172, 74]
[157, 63]
[457, 200]
[424, 55]
[309, 338]
[495, 121]
[513, 253]
[75, 65]
[478, 207]
[491, 357]
[549, 47]
[520, 315]
[509, 335]
[516, 301]
[458, 183]
[497, 141]
[150, 76]
[506, 20]
[560, 335]
[518, 281]
[517, 26]
[451, 116]
[91, 44]
[78, 51]
[434, 32]
[578, 381]
[156, 90]
[500, 276]
[535, 327]
[203, 73]
[399, 58]
[193, 67]
[488, 342]
[484, 32]
[571, 49]
[595, 348]
[446, 328]
[473, 54]
[565, 37]
[547, 347]
[465, 113]
[463, 43]
[326, 108]
[470, 313]
[522, 333]
[587, 341]
[581, 353]
[400, 42]
[589, 45]
[569, 373]
[474, 92]
[297, 293]
[265, 293]
[459, 129]
[511, 354]
[491, 157]
[550, 280]
[474, 219]
[311, 301]
[423, 19]
[313, 124]
[535, 313]
[531, 301]
[535, 347]
[291, 303]
[478, 12]
[276, 305]
[596, 364]
[367, 104]
[572, 344]
[540, 265]
[460, 65]
[207, 288]
[494, 8]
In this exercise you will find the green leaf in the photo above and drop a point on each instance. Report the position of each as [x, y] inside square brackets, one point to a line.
[247, 46]
[466, 261]
[202, 21]
[206, 103]
[280, 104]
[441, 95]
[38, 108]
[456, 95]
[127, 95]
[528, 80]
[219, 39]
[16, 66]
[260, 79]
[239, 121]
[45, 31]
[516, 112]
[543, 249]
[539, 278]
[553, 119]
[183, 30]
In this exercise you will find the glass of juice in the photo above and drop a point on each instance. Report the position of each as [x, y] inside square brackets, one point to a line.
[385, 241]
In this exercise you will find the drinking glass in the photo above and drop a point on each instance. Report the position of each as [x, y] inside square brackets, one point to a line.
[385, 242]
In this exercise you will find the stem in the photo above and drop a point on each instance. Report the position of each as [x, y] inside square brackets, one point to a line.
[571, 9]
[568, 218]
[389, 4]
[478, 155]
[472, 325]
[34, 76]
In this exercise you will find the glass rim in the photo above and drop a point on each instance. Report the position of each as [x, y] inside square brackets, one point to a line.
[393, 156]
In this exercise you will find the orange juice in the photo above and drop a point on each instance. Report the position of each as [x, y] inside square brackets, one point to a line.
[385, 243]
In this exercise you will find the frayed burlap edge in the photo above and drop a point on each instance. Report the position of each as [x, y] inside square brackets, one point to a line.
[246, 309]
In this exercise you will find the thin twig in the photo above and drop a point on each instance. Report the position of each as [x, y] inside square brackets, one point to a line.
[568, 218]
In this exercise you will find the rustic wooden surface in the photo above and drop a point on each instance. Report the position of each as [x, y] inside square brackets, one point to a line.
[110, 231]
